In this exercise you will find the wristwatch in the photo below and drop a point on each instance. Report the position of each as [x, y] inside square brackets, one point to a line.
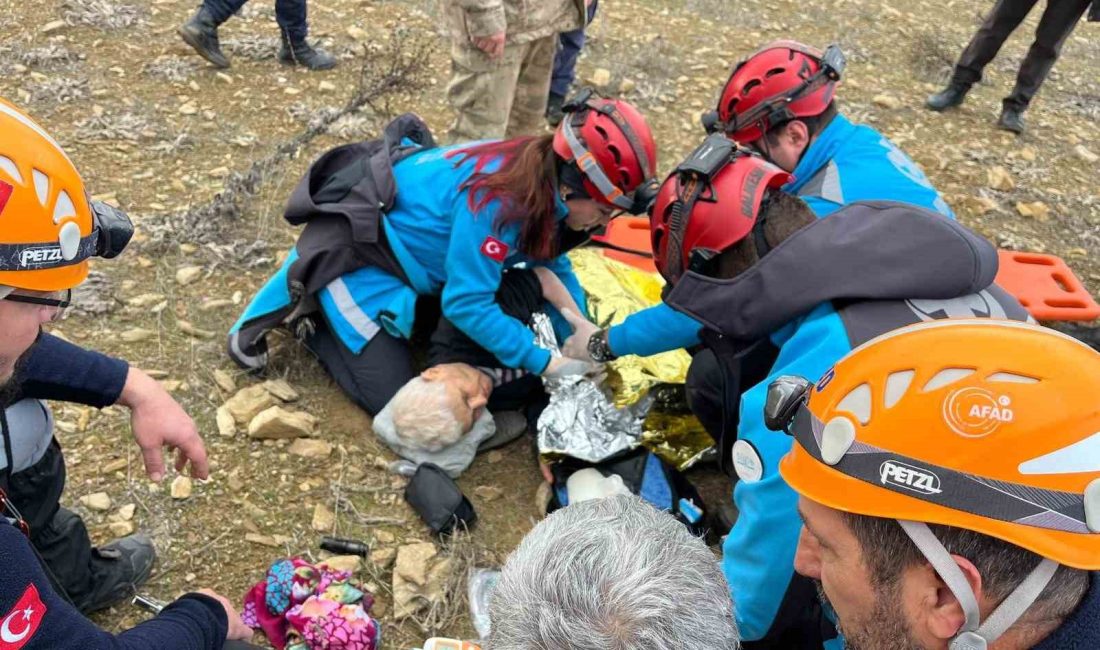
[598, 347]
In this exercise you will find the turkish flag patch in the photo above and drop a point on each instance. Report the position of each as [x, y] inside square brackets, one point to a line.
[19, 625]
[494, 249]
[5, 194]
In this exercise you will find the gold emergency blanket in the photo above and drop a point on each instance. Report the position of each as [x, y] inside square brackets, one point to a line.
[616, 290]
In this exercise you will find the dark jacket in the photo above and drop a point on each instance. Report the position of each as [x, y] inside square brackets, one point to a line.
[340, 200]
[33, 617]
[1081, 631]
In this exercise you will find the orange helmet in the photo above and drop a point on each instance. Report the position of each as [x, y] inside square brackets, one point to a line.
[48, 226]
[991, 426]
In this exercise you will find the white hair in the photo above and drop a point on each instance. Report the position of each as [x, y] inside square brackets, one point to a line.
[612, 574]
[423, 417]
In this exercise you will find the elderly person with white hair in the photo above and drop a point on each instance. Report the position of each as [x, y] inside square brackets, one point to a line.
[611, 574]
[446, 412]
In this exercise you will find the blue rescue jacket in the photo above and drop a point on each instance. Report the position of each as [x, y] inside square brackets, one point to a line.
[849, 277]
[846, 163]
[445, 249]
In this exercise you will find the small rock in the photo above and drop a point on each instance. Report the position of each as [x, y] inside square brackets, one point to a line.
[235, 483]
[190, 330]
[281, 389]
[999, 179]
[225, 381]
[383, 558]
[601, 77]
[343, 563]
[488, 492]
[185, 275]
[190, 577]
[357, 33]
[627, 86]
[248, 402]
[310, 448]
[114, 466]
[1028, 154]
[137, 335]
[218, 303]
[121, 528]
[52, 26]
[127, 511]
[326, 86]
[181, 487]
[1037, 210]
[384, 537]
[1084, 154]
[419, 577]
[227, 425]
[979, 205]
[100, 501]
[145, 300]
[262, 540]
[277, 422]
[190, 108]
[323, 519]
[495, 456]
[886, 101]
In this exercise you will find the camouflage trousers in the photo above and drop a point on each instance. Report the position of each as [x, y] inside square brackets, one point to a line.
[504, 98]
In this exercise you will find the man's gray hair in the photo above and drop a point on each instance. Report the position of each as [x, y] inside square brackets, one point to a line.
[612, 574]
[423, 417]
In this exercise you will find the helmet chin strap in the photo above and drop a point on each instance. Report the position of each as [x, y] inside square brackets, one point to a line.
[971, 635]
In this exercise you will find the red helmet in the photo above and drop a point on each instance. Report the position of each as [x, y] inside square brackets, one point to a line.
[611, 144]
[709, 203]
[782, 81]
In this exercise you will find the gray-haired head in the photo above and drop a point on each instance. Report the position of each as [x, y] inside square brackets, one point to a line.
[612, 574]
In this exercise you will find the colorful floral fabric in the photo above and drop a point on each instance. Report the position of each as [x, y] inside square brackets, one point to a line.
[301, 606]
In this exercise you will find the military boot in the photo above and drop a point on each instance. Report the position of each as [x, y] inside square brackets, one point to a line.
[951, 96]
[1012, 119]
[120, 568]
[201, 33]
[304, 54]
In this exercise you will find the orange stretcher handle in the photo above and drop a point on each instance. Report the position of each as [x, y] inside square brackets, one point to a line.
[1045, 286]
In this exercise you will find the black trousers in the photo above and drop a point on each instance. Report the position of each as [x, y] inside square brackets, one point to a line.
[289, 14]
[58, 535]
[372, 377]
[1058, 20]
[715, 383]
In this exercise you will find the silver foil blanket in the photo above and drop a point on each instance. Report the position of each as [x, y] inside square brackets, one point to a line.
[581, 420]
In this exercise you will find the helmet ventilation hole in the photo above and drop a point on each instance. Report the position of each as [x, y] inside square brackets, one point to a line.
[858, 403]
[9, 168]
[946, 377]
[41, 186]
[896, 386]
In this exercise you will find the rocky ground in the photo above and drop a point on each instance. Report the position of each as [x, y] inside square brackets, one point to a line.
[204, 159]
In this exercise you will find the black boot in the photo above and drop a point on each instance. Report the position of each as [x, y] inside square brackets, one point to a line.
[120, 568]
[554, 114]
[1012, 119]
[951, 96]
[201, 33]
[304, 54]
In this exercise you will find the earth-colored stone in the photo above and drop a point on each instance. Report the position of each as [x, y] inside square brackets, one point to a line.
[277, 422]
[121, 528]
[227, 425]
[323, 518]
[310, 448]
[181, 487]
[186, 275]
[99, 501]
[248, 402]
[281, 389]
